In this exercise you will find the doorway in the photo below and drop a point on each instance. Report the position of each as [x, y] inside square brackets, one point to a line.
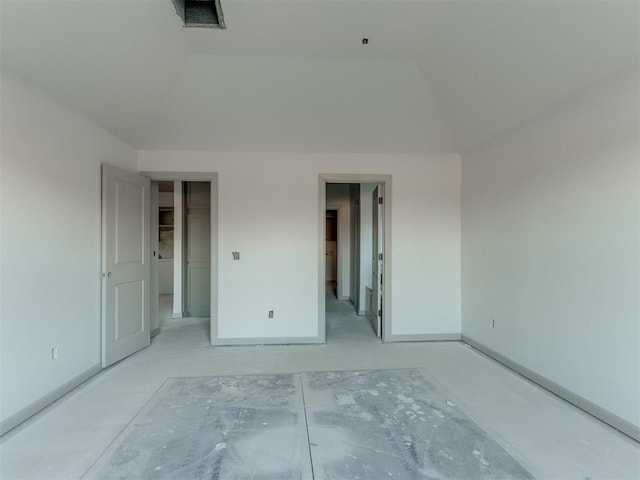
[182, 252]
[356, 219]
[187, 295]
[131, 219]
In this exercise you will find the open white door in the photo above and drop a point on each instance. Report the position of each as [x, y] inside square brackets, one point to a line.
[125, 263]
[378, 249]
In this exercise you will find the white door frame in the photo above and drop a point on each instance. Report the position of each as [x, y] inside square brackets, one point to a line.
[211, 177]
[154, 284]
[323, 179]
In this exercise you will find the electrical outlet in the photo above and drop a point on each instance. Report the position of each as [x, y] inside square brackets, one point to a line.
[54, 353]
[270, 313]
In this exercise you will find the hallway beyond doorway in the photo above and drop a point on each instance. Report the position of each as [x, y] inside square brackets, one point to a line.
[344, 325]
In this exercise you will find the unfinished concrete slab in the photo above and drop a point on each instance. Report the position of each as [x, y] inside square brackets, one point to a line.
[216, 427]
[396, 424]
[324, 425]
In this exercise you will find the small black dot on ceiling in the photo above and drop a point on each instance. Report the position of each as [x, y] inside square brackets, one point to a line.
[365, 41]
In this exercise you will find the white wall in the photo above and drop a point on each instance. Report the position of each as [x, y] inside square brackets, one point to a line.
[268, 209]
[264, 103]
[50, 234]
[339, 197]
[551, 243]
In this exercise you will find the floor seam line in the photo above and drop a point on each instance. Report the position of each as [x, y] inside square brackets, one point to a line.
[117, 435]
[306, 423]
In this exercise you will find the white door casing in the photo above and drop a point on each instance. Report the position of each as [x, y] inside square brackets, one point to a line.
[378, 260]
[154, 284]
[125, 263]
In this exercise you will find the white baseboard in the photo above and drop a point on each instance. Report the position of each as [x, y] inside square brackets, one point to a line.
[425, 337]
[17, 418]
[582, 403]
[266, 341]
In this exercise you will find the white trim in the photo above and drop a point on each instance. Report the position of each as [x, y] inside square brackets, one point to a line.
[29, 411]
[267, 341]
[322, 246]
[154, 279]
[582, 403]
[426, 337]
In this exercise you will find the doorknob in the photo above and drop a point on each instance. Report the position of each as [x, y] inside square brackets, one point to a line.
[107, 275]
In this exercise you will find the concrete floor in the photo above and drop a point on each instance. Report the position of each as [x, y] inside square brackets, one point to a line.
[551, 438]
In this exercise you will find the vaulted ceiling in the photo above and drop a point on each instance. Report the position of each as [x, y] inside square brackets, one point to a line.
[293, 75]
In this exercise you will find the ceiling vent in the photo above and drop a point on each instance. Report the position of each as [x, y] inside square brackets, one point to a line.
[200, 13]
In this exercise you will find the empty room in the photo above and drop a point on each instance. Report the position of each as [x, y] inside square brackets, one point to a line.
[311, 239]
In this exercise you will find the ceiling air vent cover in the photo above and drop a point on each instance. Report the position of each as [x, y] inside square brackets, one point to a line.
[200, 13]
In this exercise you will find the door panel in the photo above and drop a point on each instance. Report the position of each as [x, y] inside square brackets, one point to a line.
[129, 309]
[129, 222]
[199, 227]
[126, 264]
[199, 281]
[198, 253]
[199, 195]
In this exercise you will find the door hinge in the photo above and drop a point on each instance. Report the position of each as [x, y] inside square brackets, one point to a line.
[380, 256]
[379, 313]
[380, 201]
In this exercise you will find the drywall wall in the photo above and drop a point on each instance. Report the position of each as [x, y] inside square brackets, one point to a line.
[551, 245]
[268, 211]
[339, 198]
[274, 104]
[50, 233]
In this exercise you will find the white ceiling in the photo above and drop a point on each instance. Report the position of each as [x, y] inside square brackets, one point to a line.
[293, 75]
